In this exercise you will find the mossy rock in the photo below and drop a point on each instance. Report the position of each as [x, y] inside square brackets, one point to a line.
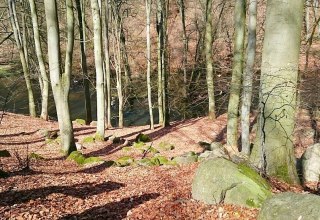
[146, 162]
[35, 156]
[164, 146]
[185, 159]
[88, 140]
[91, 160]
[80, 121]
[80, 159]
[124, 161]
[142, 138]
[139, 145]
[5, 153]
[3, 174]
[77, 156]
[221, 181]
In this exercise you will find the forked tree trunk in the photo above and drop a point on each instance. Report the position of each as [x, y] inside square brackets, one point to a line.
[273, 149]
[43, 78]
[17, 35]
[99, 69]
[60, 82]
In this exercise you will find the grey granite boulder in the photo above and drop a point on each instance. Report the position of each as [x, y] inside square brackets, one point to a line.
[287, 206]
[222, 181]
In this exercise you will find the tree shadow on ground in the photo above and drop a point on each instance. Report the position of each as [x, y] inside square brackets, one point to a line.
[81, 191]
[113, 210]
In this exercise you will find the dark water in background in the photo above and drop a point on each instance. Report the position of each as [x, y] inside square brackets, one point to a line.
[14, 89]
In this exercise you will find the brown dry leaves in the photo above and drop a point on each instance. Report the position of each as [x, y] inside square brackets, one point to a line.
[58, 189]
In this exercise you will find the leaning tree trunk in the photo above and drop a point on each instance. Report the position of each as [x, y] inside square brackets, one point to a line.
[209, 59]
[84, 68]
[273, 149]
[233, 106]
[60, 82]
[247, 79]
[99, 69]
[17, 35]
[148, 12]
[43, 75]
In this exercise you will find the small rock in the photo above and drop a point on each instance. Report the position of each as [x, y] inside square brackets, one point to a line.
[93, 123]
[311, 164]
[79, 146]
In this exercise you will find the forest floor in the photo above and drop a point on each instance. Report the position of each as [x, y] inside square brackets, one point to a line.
[56, 188]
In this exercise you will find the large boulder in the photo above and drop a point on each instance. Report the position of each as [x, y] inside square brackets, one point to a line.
[222, 181]
[311, 164]
[291, 206]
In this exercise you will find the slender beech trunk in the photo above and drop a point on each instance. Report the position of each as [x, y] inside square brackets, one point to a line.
[116, 45]
[185, 54]
[233, 106]
[165, 65]
[307, 19]
[159, 53]
[99, 69]
[107, 61]
[84, 68]
[148, 12]
[248, 77]
[43, 78]
[19, 42]
[273, 149]
[209, 59]
[60, 82]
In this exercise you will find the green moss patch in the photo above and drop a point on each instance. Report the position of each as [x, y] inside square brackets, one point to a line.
[124, 161]
[80, 121]
[80, 159]
[164, 146]
[283, 174]
[88, 140]
[249, 172]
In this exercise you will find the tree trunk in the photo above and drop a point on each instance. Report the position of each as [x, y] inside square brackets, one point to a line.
[247, 78]
[185, 54]
[160, 52]
[107, 61]
[148, 12]
[19, 43]
[273, 149]
[233, 106]
[99, 69]
[84, 68]
[209, 59]
[60, 82]
[43, 75]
